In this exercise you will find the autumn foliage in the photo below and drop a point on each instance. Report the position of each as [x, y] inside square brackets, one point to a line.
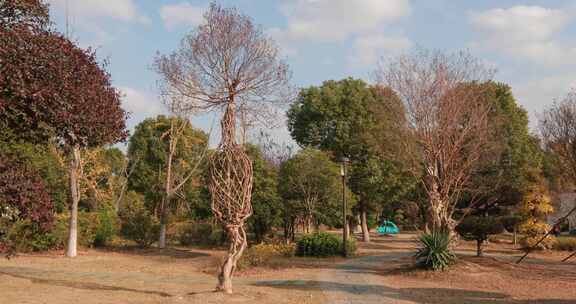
[24, 198]
[54, 88]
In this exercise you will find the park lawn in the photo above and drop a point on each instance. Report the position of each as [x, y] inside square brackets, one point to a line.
[187, 275]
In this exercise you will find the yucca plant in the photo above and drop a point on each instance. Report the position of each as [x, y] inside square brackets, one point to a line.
[435, 252]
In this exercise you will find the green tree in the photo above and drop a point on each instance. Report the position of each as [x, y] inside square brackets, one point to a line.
[46, 160]
[506, 172]
[377, 183]
[479, 228]
[309, 184]
[336, 117]
[150, 148]
[266, 202]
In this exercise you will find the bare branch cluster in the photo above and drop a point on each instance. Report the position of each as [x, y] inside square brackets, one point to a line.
[226, 59]
[447, 120]
[558, 131]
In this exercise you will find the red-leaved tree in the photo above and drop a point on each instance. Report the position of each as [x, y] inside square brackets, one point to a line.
[23, 196]
[50, 88]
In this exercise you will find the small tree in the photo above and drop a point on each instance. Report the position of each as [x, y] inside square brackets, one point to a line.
[50, 88]
[479, 228]
[266, 201]
[534, 210]
[310, 185]
[167, 153]
[227, 64]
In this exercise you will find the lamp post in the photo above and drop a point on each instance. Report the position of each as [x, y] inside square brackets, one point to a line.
[343, 172]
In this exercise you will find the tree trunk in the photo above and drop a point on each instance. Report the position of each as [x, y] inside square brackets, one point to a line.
[515, 237]
[479, 248]
[365, 232]
[238, 243]
[121, 196]
[162, 237]
[74, 172]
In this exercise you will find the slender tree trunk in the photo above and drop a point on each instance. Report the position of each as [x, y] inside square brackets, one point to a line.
[74, 172]
[515, 236]
[479, 248]
[121, 196]
[365, 232]
[238, 244]
[162, 237]
[167, 186]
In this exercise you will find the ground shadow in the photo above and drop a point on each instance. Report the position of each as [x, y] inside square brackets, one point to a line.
[156, 252]
[416, 295]
[84, 285]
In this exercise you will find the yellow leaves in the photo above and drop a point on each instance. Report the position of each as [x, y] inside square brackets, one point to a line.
[534, 210]
[98, 179]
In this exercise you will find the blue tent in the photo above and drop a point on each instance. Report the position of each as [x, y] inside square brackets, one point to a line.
[388, 227]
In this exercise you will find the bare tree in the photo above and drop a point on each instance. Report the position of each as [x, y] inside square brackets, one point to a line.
[176, 173]
[558, 131]
[228, 64]
[447, 123]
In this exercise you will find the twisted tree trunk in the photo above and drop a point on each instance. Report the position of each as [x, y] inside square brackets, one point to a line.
[238, 244]
[231, 189]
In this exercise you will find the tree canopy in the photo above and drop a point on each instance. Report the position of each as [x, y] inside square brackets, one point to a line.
[148, 151]
[310, 185]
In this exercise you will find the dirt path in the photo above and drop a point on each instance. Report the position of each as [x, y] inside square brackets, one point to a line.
[353, 282]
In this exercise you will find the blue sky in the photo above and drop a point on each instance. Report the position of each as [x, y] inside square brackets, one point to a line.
[531, 43]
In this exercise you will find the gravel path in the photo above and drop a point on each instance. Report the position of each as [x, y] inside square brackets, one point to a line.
[358, 281]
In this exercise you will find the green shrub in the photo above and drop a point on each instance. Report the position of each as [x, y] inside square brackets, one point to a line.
[479, 228]
[88, 223]
[322, 244]
[25, 236]
[139, 225]
[435, 252]
[107, 227]
[565, 243]
[263, 255]
[203, 234]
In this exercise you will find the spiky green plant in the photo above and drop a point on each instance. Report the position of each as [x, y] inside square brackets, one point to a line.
[435, 252]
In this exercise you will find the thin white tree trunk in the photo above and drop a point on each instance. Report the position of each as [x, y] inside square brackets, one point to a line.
[74, 172]
[365, 232]
[162, 237]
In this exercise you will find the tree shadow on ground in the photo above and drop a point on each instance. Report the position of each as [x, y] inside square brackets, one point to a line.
[416, 295]
[156, 252]
[84, 285]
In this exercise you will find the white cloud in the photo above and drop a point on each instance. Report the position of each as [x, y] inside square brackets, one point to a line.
[336, 20]
[537, 93]
[182, 14]
[528, 32]
[369, 48]
[124, 10]
[140, 104]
